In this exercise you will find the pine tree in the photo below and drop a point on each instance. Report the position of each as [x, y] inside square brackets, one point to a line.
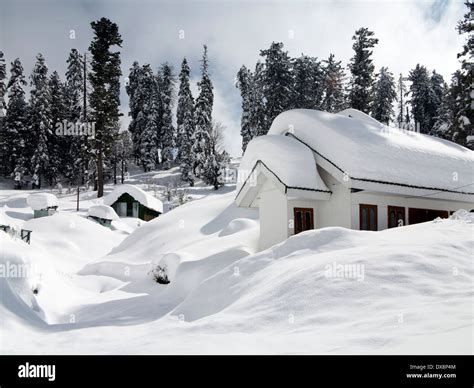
[135, 105]
[401, 93]
[333, 85]
[362, 70]
[167, 131]
[3, 112]
[16, 120]
[105, 95]
[277, 80]
[384, 94]
[445, 116]
[420, 94]
[245, 85]
[60, 150]
[463, 128]
[3, 86]
[203, 112]
[258, 113]
[307, 83]
[185, 125]
[40, 123]
[75, 113]
[147, 119]
[436, 93]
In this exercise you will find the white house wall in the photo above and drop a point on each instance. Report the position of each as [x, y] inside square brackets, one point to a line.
[273, 216]
[383, 201]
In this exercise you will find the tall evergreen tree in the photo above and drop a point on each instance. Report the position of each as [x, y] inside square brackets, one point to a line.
[307, 84]
[185, 125]
[445, 116]
[3, 86]
[105, 95]
[384, 94]
[3, 112]
[40, 123]
[60, 150]
[420, 95]
[203, 112]
[401, 93]
[147, 120]
[463, 126]
[245, 84]
[75, 113]
[16, 120]
[258, 113]
[362, 70]
[167, 134]
[277, 80]
[333, 85]
[135, 105]
[437, 90]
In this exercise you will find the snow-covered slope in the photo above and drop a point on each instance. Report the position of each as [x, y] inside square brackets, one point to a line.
[403, 290]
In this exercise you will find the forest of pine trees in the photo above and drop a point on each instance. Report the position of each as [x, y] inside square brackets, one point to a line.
[194, 144]
[47, 137]
[422, 99]
[89, 95]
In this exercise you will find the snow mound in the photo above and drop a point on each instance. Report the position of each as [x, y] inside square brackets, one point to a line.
[353, 291]
[463, 215]
[236, 226]
[41, 201]
[103, 211]
[141, 196]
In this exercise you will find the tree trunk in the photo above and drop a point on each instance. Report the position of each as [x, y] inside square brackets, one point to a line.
[123, 170]
[100, 175]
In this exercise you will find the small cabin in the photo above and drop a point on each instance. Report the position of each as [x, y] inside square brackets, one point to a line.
[43, 204]
[131, 201]
[103, 215]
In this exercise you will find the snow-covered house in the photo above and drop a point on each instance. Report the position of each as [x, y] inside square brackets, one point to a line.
[43, 204]
[316, 169]
[131, 201]
[102, 214]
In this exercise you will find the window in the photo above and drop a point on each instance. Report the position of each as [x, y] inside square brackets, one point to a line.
[303, 219]
[368, 217]
[415, 216]
[395, 216]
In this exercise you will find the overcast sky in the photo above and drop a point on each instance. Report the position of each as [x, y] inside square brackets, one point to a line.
[409, 32]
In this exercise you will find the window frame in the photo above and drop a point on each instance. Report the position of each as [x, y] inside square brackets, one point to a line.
[303, 211]
[368, 207]
[396, 209]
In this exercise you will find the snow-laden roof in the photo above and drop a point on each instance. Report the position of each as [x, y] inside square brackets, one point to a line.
[372, 154]
[141, 196]
[279, 158]
[39, 201]
[103, 211]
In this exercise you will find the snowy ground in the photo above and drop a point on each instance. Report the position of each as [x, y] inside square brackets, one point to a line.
[331, 291]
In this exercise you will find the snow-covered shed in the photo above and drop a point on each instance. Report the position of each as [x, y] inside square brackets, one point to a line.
[102, 214]
[316, 169]
[131, 201]
[43, 204]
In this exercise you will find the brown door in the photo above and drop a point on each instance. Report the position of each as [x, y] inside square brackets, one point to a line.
[303, 219]
[368, 217]
[395, 216]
